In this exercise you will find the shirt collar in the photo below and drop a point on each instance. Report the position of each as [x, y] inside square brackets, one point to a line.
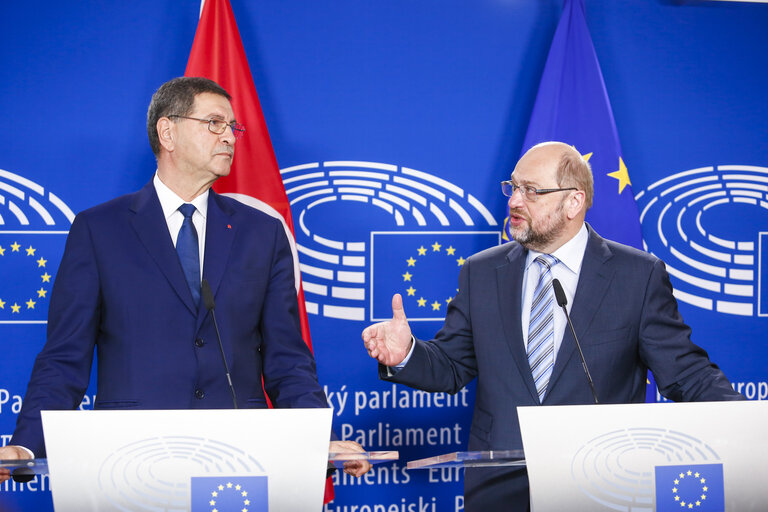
[170, 202]
[569, 254]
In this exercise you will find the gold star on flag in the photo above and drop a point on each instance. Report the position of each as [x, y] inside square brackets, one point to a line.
[448, 300]
[422, 250]
[436, 306]
[238, 487]
[244, 493]
[2, 304]
[46, 277]
[15, 247]
[407, 276]
[460, 261]
[2, 251]
[411, 262]
[246, 502]
[41, 293]
[15, 308]
[30, 251]
[214, 494]
[623, 176]
[31, 304]
[411, 291]
[221, 487]
[450, 250]
[229, 485]
[212, 503]
[41, 262]
[422, 302]
[436, 247]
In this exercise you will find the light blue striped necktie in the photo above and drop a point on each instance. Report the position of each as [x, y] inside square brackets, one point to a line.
[541, 328]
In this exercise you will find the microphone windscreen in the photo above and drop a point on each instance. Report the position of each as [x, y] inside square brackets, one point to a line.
[207, 295]
[560, 297]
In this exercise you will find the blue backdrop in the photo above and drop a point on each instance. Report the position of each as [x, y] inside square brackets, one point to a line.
[422, 106]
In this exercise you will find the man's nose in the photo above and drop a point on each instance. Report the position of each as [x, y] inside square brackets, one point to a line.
[516, 199]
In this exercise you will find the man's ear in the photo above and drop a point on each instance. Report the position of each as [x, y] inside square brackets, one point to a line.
[575, 204]
[166, 133]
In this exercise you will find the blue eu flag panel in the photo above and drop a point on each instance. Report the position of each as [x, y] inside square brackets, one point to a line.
[229, 493]
[690, 487]
[417, 265]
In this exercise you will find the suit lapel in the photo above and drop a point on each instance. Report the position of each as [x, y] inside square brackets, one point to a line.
[594, 279]
[509, 280]
[220, 230]
[151, 228]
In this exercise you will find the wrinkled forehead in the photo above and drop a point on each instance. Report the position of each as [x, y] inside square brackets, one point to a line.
[215, 105]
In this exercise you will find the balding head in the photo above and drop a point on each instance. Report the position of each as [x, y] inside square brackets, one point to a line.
[571, 168]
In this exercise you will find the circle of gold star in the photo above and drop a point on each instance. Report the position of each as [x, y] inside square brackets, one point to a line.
[412, 261]
[229, 487]
[45, 277]
[696, 501]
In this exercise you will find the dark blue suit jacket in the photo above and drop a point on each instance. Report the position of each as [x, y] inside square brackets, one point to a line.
[626, 319]
[120, 288]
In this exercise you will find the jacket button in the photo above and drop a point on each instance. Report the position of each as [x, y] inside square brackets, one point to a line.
[199, 394]
[199, 342]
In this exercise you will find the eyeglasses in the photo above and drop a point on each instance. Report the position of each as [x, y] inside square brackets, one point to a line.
[217, 126]
[529, 193]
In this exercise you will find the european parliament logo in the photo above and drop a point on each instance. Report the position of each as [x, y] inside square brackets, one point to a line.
[690, 487]
[704, 223]
[31, 246]
[629, 469]
[229, 494]
[352, 215]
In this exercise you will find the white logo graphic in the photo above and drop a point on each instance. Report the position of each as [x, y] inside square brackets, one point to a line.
[30, 247]
[616, 469]
[703, 218]
[338, 204]
[145, 475]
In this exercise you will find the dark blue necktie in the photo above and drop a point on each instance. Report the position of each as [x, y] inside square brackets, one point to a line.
[189, 251]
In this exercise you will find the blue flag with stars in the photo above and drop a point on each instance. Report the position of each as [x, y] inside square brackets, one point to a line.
[690, 487]
[229, 494]
[572, 106]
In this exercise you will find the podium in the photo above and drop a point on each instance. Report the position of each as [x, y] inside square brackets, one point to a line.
[188, 460]
[706, 456]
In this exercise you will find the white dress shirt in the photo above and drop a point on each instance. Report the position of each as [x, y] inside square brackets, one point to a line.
[170, 203]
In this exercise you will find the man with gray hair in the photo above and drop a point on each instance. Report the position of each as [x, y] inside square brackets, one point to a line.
[130, 287]
[504, 327]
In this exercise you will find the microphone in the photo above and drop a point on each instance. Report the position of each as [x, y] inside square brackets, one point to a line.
[562, 301]
[210, 306]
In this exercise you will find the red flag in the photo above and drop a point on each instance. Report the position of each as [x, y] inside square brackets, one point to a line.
[217, 53]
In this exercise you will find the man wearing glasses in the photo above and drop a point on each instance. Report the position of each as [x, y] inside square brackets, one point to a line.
[129, 285]
[505, 327]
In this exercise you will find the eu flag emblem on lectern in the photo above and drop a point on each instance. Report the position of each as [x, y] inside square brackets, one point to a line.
[690, 487]
[229, 494]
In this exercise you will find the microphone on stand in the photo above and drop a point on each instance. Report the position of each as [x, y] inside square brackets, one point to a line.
[210, 305]
[562, 301]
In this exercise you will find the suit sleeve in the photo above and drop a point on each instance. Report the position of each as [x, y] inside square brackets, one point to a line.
[682, 369]
[290, 374]
[62, 370]
[446, 363]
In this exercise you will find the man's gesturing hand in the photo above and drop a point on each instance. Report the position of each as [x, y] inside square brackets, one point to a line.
[389, 342]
